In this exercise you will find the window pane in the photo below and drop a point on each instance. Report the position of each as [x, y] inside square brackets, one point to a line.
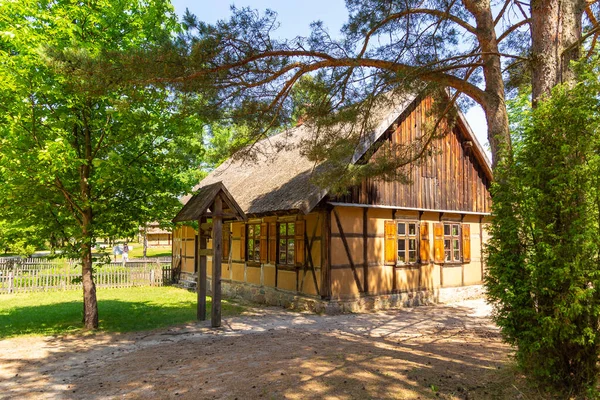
[412, 256]
[282, 245]
[291, 228]
[454, 230]
[446, 244]
[291, 244]
[446, 229]
[448, 254]
[456, 255]
[412, 244]
[257, 230]
[412, 229]
[250, 230]
[402, 229]
[401, 256]
[257, 255]
[401, 244]
[282, 257]
[291, 256]
[282, 230]
[456, 244]
[250, 244]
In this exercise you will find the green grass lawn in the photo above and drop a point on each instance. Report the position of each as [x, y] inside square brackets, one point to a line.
[161, 251]
[120, 310]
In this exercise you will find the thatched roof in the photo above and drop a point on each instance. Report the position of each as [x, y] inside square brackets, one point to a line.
[279, 179]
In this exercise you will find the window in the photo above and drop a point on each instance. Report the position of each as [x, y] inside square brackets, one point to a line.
[452, 249]
[407, 238]
[286, 250]
[253, 242]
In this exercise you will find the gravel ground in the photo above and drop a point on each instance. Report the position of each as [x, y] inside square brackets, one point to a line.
[449, 351]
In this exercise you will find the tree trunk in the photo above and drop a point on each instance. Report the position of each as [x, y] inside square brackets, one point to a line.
[90, 304]
[555, 36]
[89, 287]
[495, 106]
[145, 239]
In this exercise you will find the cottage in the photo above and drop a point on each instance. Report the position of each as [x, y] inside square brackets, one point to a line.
[155, 235]
[381, 244]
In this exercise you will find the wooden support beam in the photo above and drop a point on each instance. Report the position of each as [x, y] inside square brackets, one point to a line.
[309, 244]
[366, 248]
[348, 253]
[217, 232]
[201, 283]
[326, 255]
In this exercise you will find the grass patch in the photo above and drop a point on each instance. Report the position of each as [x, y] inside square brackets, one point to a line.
[120, 310]
[160, 251]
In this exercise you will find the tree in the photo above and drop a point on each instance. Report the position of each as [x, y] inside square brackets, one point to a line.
[81, 149]
[388, 47]
[543, 256]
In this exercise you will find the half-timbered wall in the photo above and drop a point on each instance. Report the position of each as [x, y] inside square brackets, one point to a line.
[357, 232]
[449, 178]
[304, 276]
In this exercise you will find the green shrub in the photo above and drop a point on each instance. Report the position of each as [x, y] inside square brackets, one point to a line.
[543, 258]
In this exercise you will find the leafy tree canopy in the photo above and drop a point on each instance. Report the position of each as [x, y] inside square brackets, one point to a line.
[83, 152]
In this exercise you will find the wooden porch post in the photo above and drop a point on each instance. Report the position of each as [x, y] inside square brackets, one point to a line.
[217, 231]
[201, 284]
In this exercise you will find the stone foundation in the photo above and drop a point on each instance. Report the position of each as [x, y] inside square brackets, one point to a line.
[283, 298]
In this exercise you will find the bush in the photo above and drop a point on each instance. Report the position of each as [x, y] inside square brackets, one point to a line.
[543, 258]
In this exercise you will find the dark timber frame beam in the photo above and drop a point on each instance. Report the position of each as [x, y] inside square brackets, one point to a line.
[348, 253]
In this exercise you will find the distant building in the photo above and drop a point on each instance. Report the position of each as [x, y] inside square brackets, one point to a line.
[156, 235]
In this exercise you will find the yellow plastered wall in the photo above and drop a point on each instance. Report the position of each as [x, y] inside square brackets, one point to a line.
[253, 275]
[407, 279]
[269, 275]
[286, 280]
[343, 284]
[258, 274]
[307, 282]
[339, 256]
[351, 219]
[428, 275]
[237, 272]
[381, 279]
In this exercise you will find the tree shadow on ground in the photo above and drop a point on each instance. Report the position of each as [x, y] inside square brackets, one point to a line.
[426, 352]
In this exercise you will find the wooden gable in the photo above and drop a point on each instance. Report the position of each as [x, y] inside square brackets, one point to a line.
[453, 177]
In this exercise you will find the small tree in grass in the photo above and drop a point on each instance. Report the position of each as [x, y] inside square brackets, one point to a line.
[85, 151]
[544, 255]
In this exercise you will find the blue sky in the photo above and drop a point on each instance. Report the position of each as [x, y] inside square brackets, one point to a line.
[295, 17]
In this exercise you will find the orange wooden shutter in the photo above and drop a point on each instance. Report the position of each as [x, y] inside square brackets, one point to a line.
[391, 243]
[273, 242]
[263, 242]
[299, 243]
[243, 241]
[424, 250]
[226, 242]
[438, 244]
[466, 242]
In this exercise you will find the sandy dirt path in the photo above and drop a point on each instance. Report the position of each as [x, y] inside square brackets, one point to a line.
[451, 351]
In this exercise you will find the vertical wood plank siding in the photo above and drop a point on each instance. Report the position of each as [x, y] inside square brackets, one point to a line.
[449, 178]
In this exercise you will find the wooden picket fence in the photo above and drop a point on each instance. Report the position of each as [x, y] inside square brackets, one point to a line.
[43, 275]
